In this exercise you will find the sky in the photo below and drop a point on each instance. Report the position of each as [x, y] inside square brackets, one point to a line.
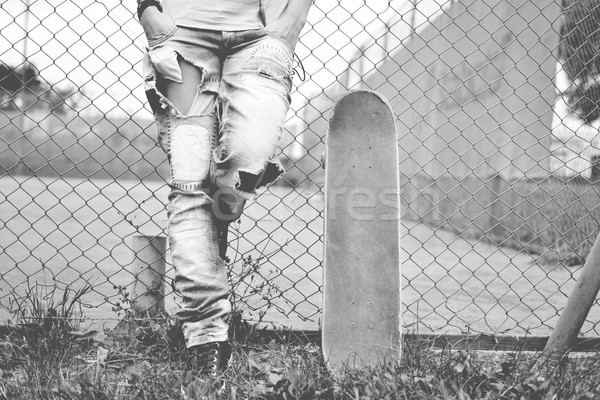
[98, 46]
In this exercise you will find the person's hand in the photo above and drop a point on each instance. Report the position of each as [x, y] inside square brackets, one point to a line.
[163, 58]
[156, 23]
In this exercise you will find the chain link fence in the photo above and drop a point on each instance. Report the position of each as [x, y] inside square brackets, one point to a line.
[496, 114]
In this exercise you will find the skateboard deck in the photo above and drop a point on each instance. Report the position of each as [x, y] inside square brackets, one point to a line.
[361, 307]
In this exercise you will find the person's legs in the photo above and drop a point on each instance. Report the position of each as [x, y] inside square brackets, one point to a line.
[255, 97]
[182, 80]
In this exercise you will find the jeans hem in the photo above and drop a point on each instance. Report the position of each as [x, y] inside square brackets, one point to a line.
[206, 338]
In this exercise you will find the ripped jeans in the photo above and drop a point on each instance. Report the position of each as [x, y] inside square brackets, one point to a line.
[220, 149]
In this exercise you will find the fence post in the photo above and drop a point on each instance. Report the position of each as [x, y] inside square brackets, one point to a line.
[494, 226]
[575, 312]
[148, 270]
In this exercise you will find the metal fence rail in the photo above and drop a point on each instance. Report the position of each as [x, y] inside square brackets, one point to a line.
[498, 162]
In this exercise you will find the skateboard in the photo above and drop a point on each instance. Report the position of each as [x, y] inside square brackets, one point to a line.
[361, 285]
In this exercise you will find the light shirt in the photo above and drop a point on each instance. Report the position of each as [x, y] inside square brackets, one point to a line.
[274, 8]
[219, 15]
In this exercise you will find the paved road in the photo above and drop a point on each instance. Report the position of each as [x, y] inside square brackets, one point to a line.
[450, 284]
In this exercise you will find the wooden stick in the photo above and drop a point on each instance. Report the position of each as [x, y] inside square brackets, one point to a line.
[578, 306]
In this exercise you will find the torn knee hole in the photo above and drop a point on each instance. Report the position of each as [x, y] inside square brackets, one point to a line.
[185, 92]
[248, 182]
[154, 99]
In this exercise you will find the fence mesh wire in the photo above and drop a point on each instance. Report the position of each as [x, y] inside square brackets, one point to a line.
[495, 105]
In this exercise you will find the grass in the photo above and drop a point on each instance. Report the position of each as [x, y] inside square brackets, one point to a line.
[44, 356]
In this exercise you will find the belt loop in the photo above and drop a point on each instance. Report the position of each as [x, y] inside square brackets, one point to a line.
[261, 13]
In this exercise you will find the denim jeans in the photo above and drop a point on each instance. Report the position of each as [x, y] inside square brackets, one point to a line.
[219, 152]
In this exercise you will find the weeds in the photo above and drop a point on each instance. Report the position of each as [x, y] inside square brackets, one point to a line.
[126, 305]
[281, 370]
[46, 334]
[249, 286]
[44, 357]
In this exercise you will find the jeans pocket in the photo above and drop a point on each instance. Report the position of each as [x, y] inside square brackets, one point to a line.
[161, 37]
[164, 60]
